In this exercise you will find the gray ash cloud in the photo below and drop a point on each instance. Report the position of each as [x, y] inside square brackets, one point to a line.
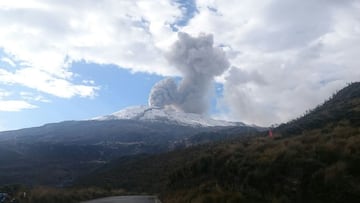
[199, 62]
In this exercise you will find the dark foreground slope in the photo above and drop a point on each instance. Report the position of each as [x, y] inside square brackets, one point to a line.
[318, 163]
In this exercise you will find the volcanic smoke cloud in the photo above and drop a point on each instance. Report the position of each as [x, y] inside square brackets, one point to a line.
[198, 62]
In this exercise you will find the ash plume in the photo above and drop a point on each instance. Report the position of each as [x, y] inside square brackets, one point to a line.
[199, 62]
[163, 93]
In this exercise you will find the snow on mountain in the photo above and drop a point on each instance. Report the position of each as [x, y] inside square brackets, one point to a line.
[153, 114]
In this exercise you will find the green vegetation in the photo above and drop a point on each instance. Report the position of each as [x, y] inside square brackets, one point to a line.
[315, 167]
[315, 158]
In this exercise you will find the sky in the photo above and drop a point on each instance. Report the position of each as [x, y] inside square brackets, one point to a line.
[74, 60]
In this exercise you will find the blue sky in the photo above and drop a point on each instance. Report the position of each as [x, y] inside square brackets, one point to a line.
[118, 88]
[64, 60]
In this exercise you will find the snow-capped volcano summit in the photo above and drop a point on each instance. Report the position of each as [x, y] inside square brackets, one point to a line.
[84, 145]
[162, 115]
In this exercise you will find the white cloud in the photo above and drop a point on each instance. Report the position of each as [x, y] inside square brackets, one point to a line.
[29, 96]
[47, 36]
[15, 105]
[291, 55]
[44, 82]
[9, 105]
[111, 32]
[8, 61]
[300, 54]
[4, 93]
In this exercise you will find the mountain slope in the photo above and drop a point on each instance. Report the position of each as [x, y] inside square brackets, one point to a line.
[133, 124]
[342, 106]
[55, 154]
[320, 164]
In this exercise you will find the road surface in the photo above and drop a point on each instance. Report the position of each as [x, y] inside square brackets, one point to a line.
[126, 199]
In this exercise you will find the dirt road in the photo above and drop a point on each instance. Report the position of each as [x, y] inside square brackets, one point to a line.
[126, 199]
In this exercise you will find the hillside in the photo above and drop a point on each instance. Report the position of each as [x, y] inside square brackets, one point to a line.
[55, 154]
[315, 158]
[342, 106]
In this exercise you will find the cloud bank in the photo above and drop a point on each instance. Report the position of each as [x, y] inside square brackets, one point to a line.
[286, 55]
[199, 62]
[15, 105]
[43, 38]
